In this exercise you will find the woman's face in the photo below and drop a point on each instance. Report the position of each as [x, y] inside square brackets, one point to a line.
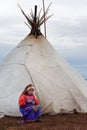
[30, 91]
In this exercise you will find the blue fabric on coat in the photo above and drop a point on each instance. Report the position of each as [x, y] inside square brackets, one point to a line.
[28, 113]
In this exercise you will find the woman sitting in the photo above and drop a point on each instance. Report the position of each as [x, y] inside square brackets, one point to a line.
[29, 105]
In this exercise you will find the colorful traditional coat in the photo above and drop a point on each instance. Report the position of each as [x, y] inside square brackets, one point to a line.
[29, 114]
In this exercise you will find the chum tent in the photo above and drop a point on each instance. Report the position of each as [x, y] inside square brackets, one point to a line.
[59, 88]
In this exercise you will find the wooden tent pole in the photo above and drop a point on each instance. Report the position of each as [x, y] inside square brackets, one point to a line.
[44, 18]
[35, 14]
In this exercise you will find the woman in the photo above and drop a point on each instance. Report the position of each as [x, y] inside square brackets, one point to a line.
[29, 105]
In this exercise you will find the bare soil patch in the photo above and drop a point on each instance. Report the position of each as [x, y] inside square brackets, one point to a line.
[57, 122]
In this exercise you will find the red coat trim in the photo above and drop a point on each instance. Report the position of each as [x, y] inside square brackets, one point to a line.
[22, 100]
[36, 100]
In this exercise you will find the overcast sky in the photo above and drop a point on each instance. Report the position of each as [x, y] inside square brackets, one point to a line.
[66, 29]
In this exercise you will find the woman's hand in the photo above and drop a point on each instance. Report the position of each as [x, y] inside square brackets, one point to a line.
[33, 102]
[29, 100]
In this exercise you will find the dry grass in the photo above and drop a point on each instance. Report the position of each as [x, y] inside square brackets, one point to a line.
[57, 122]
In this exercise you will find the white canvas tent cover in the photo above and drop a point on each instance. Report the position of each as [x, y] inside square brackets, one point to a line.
[59, 88]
